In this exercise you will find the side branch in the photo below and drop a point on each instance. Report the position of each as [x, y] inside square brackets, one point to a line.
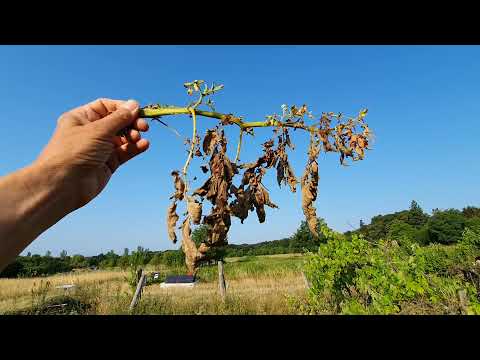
[193, 141]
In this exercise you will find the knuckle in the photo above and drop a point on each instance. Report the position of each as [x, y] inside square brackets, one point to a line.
[103, 100]
[63, 118]
[124, 114]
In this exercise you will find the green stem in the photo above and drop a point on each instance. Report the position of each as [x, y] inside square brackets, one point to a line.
[153, 113]
[239, 146]
[192, 148]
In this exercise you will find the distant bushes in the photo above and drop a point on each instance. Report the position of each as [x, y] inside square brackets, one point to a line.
[442, 227]
[36, 265]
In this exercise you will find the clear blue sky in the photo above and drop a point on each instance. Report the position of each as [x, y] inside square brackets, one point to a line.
[423, 101]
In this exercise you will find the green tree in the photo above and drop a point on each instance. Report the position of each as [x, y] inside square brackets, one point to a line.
[63, 254]
[401, 232]
[199, 235]
[173, 258]
[78, 261]
[471, 211]
[446, 227]
[473, 223]
[416, 217]
[156, 260]
[304, 239]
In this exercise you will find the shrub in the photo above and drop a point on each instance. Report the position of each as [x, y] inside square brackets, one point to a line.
[358, 277]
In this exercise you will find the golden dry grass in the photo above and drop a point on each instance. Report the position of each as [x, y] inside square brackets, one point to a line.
[261, 285]
[261, 295]
[16, 294]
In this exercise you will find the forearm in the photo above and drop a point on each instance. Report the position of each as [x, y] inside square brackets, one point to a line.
[32, 200]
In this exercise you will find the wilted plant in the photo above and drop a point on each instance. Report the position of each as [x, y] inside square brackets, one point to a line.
[332, 132]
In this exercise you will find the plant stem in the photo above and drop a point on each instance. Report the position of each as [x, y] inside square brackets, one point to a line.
[152, 113]
[193, 141]
[239, 145]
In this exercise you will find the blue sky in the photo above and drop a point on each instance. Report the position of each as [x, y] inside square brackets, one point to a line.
[423, 106]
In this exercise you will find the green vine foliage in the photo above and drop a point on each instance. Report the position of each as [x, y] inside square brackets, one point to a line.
[355, 276]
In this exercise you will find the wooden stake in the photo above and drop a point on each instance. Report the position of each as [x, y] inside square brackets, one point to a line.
[463, 300]
[138, 291]
[307, 283]
[221, 280]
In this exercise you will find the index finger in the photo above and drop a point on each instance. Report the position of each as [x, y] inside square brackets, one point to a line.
[100, 108]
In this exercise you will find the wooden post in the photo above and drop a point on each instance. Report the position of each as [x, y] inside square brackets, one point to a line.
[307, 283]
[463, 300]
[138, 291]
[221, 280]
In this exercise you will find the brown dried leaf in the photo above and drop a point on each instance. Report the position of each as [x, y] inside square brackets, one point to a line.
[192, 256]
[309, 184]
[289, 143]
[209, 142]
[203, 190]
[179, 186]
[285, 174]
[172, 219]
[194, 209]
[219, 224]
[260, 199]
[242, 204]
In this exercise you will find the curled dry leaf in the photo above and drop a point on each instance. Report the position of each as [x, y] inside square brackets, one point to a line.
[309, 183]
[242, 204]
[209, 142]
[194, 209]
[172, 219]
[285, 172]
[219, 224]
[192, 256]
[179, 186]
[260, 199]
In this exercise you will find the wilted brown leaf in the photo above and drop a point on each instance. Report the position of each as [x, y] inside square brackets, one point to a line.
[219, 224]
[242, 204]
[210, 141]
[309, 184]
[192, 256]
[172, 219]
[194, 209]
[179, 186]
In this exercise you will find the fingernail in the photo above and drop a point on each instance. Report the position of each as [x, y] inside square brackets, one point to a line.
[131, 105]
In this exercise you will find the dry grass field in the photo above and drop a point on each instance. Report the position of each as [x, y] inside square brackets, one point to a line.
[255, 285]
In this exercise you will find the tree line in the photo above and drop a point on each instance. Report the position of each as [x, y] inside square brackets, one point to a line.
[405, 227]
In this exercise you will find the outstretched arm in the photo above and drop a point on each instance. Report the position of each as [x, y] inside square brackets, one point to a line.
[74, 168]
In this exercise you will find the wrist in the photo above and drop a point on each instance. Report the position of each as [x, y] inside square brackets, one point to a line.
[45, 186]
[33, 199]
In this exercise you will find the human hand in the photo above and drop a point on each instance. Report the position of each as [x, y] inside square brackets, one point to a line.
[85, 149]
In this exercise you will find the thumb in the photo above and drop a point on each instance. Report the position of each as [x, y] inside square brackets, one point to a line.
[123, 116]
